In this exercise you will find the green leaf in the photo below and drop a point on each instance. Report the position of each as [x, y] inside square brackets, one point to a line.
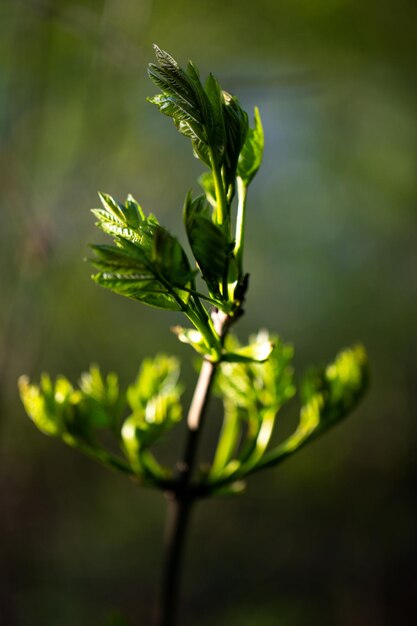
[263, 385]
[207, 183]
[119, 259]
[59, 410]
[192, 337]
[210, 117]
[335, 390]
[252, 392]
[47, 403]
[112, 207]
[227, 446]
[137, 288]
[157, 375]
[155, 402]
[55, 406]
[183, 98]
[170, 259]
[215, 124]
[253, 353]
[208, 243]
[257, 441]
[329, 395]
[134, 214]
[251, 155]
[147, 263]
[73, 415]
[116, 219]
[101, 402]
[236, 124]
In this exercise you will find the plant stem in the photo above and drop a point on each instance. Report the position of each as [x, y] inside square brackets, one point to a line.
[181, 499]
[178, 515]
[222, 210]
[240, 224]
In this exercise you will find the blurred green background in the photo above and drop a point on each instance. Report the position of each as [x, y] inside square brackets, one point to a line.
[329, 538]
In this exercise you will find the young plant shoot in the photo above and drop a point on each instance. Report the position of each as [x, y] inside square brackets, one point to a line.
[145, 262]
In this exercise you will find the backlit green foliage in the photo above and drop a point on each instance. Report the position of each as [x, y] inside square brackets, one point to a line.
[252, 393]
[209, 116]
[136, 417]
[148, 264]
[154, 399]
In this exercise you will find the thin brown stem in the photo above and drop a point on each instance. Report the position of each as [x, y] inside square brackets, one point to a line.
[180, 501]
[177, 523]
[182, 496]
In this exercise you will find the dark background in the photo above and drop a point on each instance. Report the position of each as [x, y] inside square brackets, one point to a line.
[329, 538]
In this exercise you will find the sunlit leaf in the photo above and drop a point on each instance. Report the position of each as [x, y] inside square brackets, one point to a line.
[252, 392]
[259, 385]
[183, 98]
[101, 401]
[154, 399]
[45, 404]
[60, 410]
[209, 116]
[145, 290]
[253, 353]
[192, 337]
[147, 263]
[335, 390]
[329, 395]
[251, 155]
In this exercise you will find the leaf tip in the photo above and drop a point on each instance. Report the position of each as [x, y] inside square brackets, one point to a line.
[23, 381]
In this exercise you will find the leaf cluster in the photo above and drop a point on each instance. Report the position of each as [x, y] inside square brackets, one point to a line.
[148, 264]
[253, 394]
[212, 118]
[77, 415]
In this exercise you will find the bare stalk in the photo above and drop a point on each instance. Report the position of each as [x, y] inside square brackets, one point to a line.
[180, 501]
